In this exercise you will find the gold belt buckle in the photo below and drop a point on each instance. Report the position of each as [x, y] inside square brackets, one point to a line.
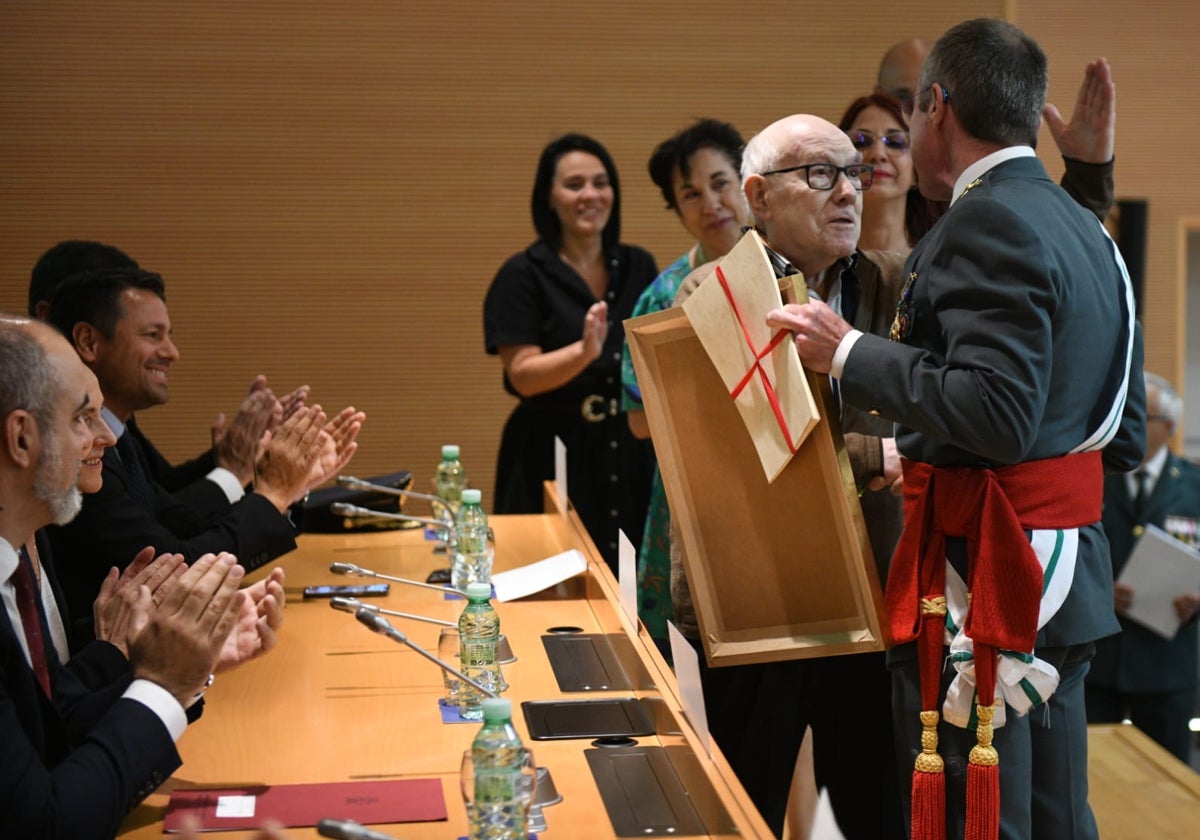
[595, 408]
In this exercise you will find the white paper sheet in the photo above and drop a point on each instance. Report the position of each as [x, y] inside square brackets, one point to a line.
[627, 577]
[560, 474]
[1160, 569]
[824, 825]
[687, 675]
[526, 580]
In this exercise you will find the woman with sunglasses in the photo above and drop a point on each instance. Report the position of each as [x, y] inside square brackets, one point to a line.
[894, 214]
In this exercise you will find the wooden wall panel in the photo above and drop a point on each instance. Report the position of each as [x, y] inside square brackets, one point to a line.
[329, 188]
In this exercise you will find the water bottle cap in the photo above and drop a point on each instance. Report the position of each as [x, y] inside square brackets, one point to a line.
[497, 709]
[471, 496]
[479, 591]
[450, 452]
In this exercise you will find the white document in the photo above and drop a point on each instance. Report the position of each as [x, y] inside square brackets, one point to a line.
[526, 580]
[1160, 569]
[235, 807]
[687, 676]
[560, 474]
[824, 825]
[627, 577]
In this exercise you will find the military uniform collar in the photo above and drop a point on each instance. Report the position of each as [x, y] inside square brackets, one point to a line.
[971, 176]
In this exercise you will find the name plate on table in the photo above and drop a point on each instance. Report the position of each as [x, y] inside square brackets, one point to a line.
[777, 569]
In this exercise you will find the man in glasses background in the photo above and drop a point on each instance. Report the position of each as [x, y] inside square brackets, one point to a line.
[1086, 142]
[1014, 351]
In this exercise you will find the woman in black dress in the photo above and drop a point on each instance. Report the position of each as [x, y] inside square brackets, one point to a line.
[553, 314]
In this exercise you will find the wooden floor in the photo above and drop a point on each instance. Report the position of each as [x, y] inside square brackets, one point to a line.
[1139, 790]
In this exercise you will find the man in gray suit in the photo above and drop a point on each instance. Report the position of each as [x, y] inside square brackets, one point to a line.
[1137, 673]
[1009, 378]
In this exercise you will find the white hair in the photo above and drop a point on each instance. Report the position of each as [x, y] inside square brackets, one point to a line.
[1170, 404]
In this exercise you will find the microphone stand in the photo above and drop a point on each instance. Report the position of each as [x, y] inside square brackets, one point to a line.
[358, 571]
[359, 484]
[381, 625]
[353, 605]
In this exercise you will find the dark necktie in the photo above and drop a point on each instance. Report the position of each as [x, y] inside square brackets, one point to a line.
[27, 605]
[1143, 495]
[139, 482]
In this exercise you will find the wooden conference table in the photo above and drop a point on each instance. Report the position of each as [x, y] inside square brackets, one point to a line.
[335, 702]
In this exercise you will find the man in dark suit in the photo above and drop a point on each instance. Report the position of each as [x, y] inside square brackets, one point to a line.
[75, 756]
[1009, 378]
[229, 463]
[117, 320]
[1137, 674]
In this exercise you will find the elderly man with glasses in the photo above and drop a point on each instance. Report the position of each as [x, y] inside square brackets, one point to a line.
[1013, 376]
[803, 181]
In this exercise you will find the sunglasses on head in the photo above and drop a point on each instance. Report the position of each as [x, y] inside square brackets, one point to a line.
[895, 140]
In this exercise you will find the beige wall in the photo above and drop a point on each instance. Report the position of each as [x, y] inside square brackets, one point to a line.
[328, 189]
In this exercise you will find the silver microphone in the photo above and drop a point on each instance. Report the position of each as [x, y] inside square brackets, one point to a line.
[381, 625]
[356, 483]
[355, 570]
[349, 830]
[356, 512]
[353, 605]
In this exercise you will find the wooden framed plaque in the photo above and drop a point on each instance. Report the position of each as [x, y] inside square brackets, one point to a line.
[777, 570]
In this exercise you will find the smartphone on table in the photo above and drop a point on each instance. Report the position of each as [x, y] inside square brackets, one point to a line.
[366, 590]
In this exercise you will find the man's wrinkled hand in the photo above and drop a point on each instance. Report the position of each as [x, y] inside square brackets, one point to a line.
[183, 637]
[119, 611]
[260, 614]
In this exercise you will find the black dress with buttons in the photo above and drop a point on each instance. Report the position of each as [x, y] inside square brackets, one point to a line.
[538, 299]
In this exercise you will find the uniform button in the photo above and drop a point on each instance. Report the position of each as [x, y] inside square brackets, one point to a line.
[614, 513]
[616, 357]
[1138, 530]
[612, 444]
[608, 379]
[874, 412]
[613, 479]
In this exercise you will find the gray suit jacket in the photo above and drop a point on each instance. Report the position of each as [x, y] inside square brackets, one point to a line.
[1015, 350]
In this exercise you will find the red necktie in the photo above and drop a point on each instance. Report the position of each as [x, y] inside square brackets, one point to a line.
[27, 605]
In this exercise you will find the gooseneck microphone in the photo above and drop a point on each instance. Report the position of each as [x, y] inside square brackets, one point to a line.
[381, 625]
[358, 571]
[349, 830]
[359, 484]
[356, 512]
[353, 605]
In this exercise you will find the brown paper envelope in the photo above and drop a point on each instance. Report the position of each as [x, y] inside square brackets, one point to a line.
[751, 282]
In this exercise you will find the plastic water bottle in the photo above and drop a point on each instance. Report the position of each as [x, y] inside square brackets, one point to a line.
[473, 553]
[451, 477]
[501, 798]
[478, 639]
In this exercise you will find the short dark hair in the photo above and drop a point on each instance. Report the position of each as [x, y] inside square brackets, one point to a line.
[675, 153]
[27, 380]
[996, 76]
[67, 258]
[545, 220]
[919, 212]
[94, 297]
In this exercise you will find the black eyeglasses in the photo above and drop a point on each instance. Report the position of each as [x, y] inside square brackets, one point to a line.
[822, 176]
[894, 140]
[907, 106]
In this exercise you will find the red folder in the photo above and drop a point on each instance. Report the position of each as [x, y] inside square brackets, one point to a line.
[392, 801]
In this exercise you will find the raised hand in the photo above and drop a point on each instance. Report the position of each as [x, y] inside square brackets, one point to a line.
[184, 634]
[595, 329]
[289, 456]
[119, 611]
[236, 442]
[338, 445]
[260, 614]
[1090, 136]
